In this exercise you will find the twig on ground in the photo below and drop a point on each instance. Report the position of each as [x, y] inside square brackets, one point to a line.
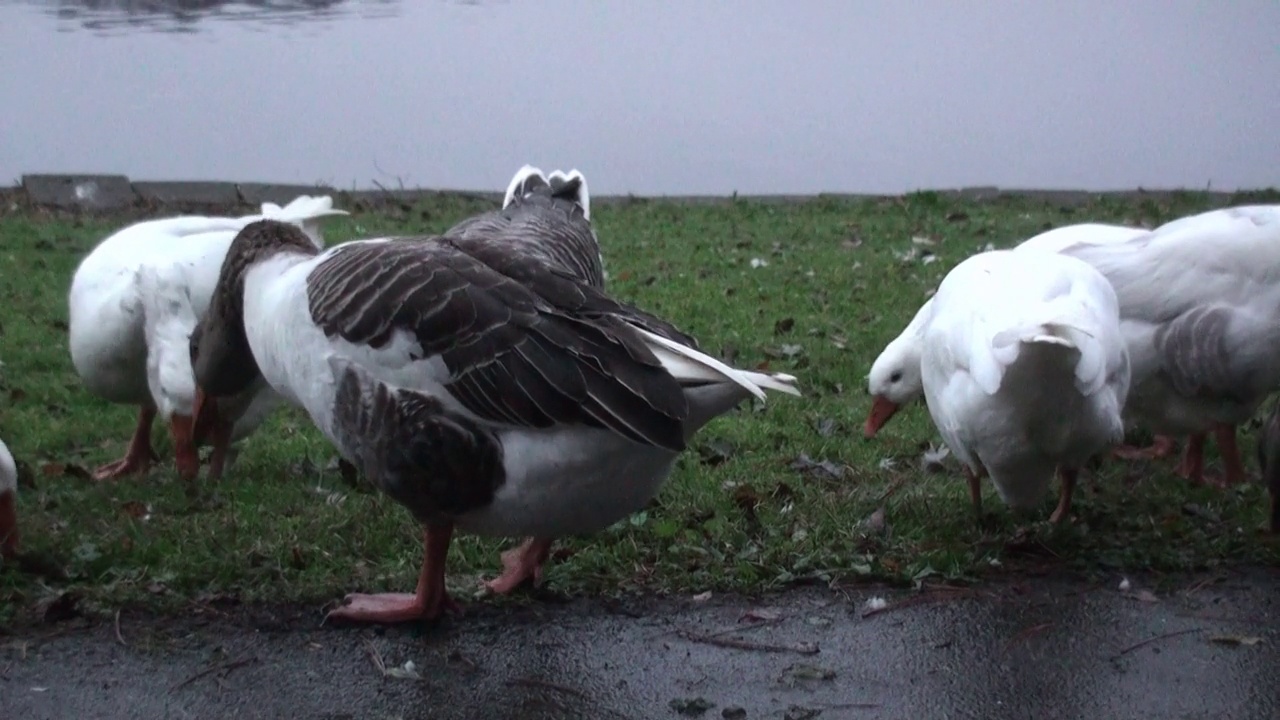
[1150, 640]
[742, 627]
[546, 685]
[1026, 634]
[375, 657]
[119, 637]
[894, 487]
[737, 644]
[932, 596]
[227, 667]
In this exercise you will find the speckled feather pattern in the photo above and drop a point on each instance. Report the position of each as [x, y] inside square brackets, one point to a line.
[432, 460]
[524, 345]
[550, 226]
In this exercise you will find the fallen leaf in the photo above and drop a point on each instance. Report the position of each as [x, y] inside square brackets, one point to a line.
[408, 671]
[875, 522]
[826, 427]
[931, 460]
[804, 671]
[1235, 639]
[875, 603]
[691, 707]
[922, 241]
[702, 596]
[782, 491]
[759, 262]
[784, 351]
[760, 615]
[746, 497]
[1146, 596]
[799, 712]
[820, 469]
[1201, 512]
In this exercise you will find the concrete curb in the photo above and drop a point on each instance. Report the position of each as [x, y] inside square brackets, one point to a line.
[108, 193]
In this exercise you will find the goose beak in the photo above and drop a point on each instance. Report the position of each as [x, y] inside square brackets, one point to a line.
[8, 523]
[881, 410]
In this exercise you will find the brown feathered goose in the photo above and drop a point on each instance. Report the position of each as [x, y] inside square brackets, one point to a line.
[550, 218]
[478, 386]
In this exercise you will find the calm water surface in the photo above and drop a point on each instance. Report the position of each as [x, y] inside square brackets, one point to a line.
[653, 96]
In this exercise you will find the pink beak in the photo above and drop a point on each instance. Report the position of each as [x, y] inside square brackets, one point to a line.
[881, 410]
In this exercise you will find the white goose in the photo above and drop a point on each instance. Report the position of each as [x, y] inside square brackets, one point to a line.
[110, 327]
[169, 319]
[1025, 371]
[1200, 301]
[894, 380]
[8, 503]
[475, 384]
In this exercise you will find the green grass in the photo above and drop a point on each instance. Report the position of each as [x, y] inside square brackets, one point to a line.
[736, 516]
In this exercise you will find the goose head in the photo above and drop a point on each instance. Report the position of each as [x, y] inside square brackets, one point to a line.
[895, 378]
[221, 358]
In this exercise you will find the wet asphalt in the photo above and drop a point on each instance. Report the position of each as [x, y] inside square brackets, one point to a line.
[1187, 647]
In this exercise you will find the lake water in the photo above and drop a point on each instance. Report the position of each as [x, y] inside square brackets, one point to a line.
[649, 96]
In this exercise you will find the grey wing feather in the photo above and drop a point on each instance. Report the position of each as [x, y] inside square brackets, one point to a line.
[1195, 354]
[550, 228]
[533, 351]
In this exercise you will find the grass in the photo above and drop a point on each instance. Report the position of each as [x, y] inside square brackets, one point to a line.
[816, 289]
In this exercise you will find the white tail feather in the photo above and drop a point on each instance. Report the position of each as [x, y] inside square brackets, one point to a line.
[685, 363]
[584, 197]
[518, 180]
[302, 208]
[305, 212]
[1067, 324]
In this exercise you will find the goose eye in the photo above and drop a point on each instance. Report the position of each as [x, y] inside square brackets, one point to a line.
[895, 377]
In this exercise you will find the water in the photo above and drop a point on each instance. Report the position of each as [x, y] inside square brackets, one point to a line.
[672, 96]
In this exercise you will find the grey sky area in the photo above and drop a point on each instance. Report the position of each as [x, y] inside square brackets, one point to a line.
[650, 97]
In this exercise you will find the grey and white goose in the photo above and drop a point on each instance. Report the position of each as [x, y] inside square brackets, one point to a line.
[478, 386]
[550, 216]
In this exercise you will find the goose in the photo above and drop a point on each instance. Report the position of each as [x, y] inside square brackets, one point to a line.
[108, 328]
[894, 380]
[1200, 303]
[551, 215]
[169, 319]
[476, 385]
[8, 503]
[1025, 371]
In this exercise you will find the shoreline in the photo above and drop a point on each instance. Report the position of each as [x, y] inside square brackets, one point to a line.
[96, 193]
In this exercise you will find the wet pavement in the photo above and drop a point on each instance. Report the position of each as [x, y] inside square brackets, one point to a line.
[1186, 647]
